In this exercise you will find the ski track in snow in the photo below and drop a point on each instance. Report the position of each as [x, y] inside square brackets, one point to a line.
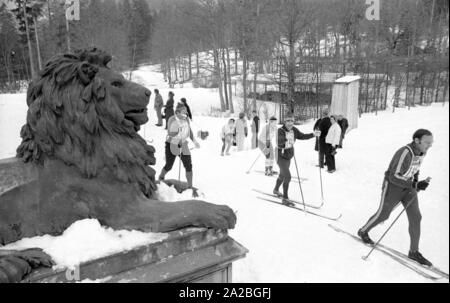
[286, 245]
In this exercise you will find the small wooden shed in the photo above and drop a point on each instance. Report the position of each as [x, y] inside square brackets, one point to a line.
[344, 99]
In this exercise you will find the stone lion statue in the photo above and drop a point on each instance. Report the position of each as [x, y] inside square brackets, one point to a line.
[81, 139]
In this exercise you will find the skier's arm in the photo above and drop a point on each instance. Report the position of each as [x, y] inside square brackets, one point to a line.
[399, 166]
[416, 177]
[173, 131]
[301, 136]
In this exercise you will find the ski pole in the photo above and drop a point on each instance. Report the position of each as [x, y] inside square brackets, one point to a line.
[300, 184]
[179, 166]
[248, 171]
[320, 171]
[392, 224]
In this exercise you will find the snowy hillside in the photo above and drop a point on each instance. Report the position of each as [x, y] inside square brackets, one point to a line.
[286, 245]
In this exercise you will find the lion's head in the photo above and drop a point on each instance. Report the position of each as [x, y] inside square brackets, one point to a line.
[85, 114]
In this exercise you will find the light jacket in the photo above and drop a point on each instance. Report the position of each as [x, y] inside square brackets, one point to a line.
[334, 135]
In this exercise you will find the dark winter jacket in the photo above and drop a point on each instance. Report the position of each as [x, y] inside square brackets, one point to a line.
[188, 109]
[286, 141]
[256, 123]
[324, 126]
[403, 171]
[168, 110]
[344, 125]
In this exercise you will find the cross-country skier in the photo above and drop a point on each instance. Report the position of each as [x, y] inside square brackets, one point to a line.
[168, 109]
[287, 134]
[401, 184]
[265, 139]
[159, 104]
[255, 129]
[178, 131]
[241, 131]
[227, 137]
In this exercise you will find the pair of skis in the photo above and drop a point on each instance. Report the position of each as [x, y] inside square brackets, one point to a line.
[275, 175]
[430, 272]
[309, 208]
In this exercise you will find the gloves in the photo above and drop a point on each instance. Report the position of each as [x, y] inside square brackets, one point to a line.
[421, 185]
[267, 144]
[333, 151]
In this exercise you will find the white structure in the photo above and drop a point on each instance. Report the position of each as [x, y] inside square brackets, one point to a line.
[344, 99]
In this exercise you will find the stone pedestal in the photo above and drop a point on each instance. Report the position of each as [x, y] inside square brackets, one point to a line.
[188, 255]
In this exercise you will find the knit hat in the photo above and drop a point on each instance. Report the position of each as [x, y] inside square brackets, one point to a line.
[180, 107]
[289, 116]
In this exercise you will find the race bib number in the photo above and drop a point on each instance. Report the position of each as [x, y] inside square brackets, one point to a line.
[290, 139]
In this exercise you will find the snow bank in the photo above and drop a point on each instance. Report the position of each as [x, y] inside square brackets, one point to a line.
[86, 240]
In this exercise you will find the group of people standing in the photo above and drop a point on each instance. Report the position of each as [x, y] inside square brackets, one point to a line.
[166, 111]
[332, 133]
[235, 132]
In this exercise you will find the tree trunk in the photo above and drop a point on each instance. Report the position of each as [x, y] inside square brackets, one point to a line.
[175, 66]
[169, 72]
[197, 64]
[255, 77]
[291, 74]
[26, 65]
[235, 61]
[190, 66]
[7, 68]
[225, 80]
[445, 88]
[219, 78]
[244, 80]
[230, 89]
[30, 50]
[37, 43]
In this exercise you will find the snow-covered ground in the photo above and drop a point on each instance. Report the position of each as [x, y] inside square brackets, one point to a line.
[286, 245]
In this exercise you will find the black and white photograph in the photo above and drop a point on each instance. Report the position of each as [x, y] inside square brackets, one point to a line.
[224, 141]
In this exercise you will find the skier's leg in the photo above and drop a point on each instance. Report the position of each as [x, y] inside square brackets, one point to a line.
[280, 179]
[321, 155]
[228, 142]
[170, 159]
[328, 157]
[414, 219]
[287, 179]
[390, 197]
[332, 165]
[223, 145]
[187, 163]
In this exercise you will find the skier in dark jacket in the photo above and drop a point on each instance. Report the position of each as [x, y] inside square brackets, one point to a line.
[287, 135]
[343, 123]
[168, 109]
[401, 184]
[323, 126]
[184, 102]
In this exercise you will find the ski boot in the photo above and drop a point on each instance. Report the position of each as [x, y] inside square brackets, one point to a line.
[365, 237]
[417, 256]
[277, 193]
[287, 202]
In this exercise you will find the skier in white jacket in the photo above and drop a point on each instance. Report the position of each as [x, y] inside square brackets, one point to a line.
[332, 140]
[241, 131]
[227, 137]
[266, 145]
